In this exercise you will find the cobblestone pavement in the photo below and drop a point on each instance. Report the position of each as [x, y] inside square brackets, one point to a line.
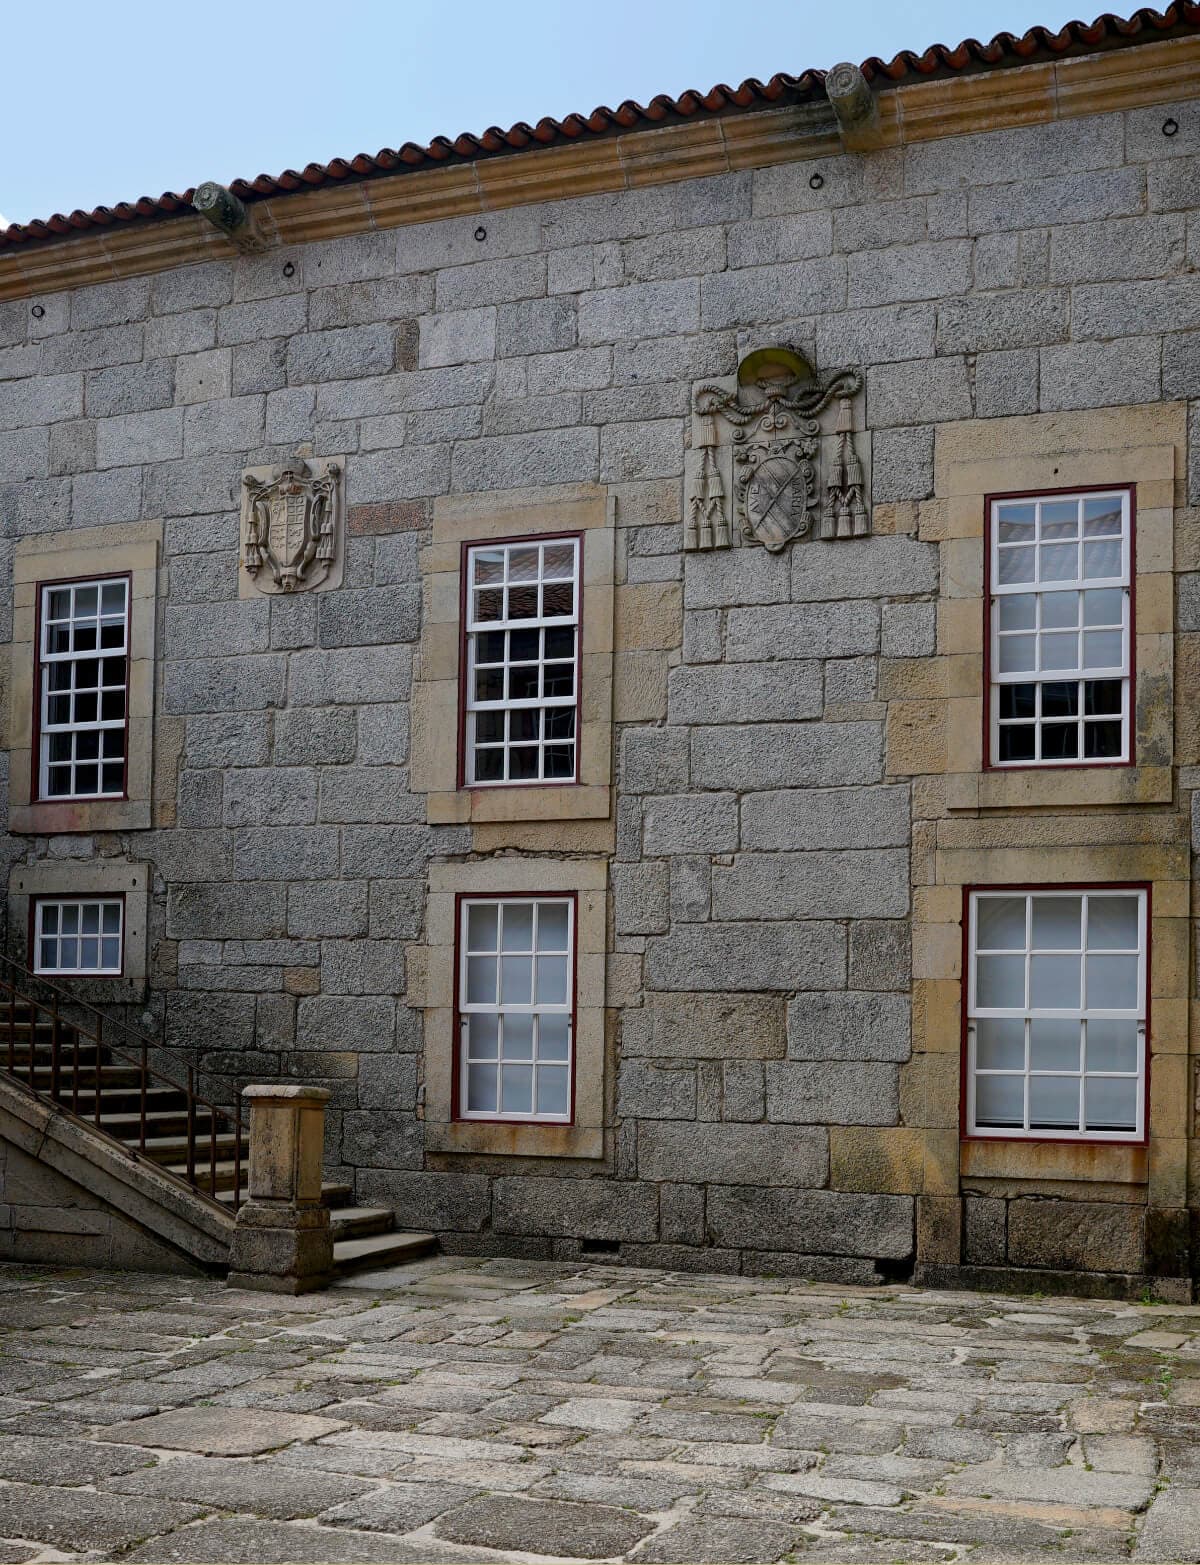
[507, 1410]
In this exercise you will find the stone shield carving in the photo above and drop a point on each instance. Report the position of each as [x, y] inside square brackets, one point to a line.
[292, 527]
[759, 445]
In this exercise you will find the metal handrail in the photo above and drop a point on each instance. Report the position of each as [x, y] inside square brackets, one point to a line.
[61, 1009]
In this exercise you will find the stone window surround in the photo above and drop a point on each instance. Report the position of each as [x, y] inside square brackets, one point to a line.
[991, 689]
[1064, 1138]
[88, 877]
[511, 875]
[964, 487]
[458, 520]
[131, 549]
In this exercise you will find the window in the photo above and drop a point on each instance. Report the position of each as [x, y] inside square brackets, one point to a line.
[516, 991]
[1061, 631]
[1056, 1032]
[522, 662]
[75, 936]
[83, 679]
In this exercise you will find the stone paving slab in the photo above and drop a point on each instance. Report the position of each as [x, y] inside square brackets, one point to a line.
[505, 1410]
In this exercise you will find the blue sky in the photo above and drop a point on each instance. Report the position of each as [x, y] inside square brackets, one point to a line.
[104, 102]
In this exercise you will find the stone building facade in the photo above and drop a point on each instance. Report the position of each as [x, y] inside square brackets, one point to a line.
[780, 794]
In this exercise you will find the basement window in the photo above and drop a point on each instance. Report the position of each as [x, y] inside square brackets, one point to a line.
[79, 936]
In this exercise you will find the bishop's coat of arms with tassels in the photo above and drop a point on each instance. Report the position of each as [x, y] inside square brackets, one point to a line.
[291, 526]
[760, 442]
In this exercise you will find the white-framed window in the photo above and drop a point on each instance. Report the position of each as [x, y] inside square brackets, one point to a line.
[522, 662]
[1061, 629]
[516, 989]
[77, 936]
[83, 677]
[1056, 1008]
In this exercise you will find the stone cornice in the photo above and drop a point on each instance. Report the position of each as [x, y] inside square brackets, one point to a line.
[924, 111]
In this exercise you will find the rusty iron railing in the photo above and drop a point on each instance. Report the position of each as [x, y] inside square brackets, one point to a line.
[84, 1035]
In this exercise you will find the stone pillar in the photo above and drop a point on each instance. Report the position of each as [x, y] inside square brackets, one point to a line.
[283, 1242]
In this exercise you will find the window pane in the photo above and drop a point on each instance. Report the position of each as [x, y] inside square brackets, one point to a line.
[483, 1035]
[1112, 1045]
[1015, 565]
[522, 602]
[1112, 923]
[489, 765]
[560, 761]
[481, 1089]
[1018, 700]
[525, 724]
[1017, 611]
[552, 1090]
[1017, 744]
[1112, 983]
[1018, 654]
[49, 919]
[1103, 606]
[560, 641]
[516, 981]
[1057, 923]
[552, 980]
[1102, 741]
[523, 564]
[1000, 924]
[481, 980]
[489, 646]
[1101, 515]
[558, 601]
[110, 953]
[1060, 742]
[481, 926]
[1101, 696]
[518, 1036]
[90, 923]
[518, 926]
[1060, 650]
[489, 684]
[1054, 1102]
[86, 600]
[1016, 520]
[49, 956]
[489, 565]
[1103, 649]
[552, 926]
[1060, 518]
[1000, 1043]
[1060, 698]
[524, 646]
[1000, 982]
[1059, 561]
[1000, 1101]
[89, 952]
[1110, 1104]
[552, 1036]
[1101, 560]
[558, 560]
[489, 604]
[523, 763]
[516, 1090]
[1055, 1043]
[523, 682]
[70, 918]
[1054, 983]
[1060, 610]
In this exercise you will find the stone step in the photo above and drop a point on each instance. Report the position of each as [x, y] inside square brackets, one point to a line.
[162, 1122]
[336, 1193]
[394, 1249]
[356, 1222]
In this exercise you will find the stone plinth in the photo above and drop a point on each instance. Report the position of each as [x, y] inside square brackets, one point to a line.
[283, 1242]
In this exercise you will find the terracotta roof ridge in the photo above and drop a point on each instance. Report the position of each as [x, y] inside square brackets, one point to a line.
[1006, 50]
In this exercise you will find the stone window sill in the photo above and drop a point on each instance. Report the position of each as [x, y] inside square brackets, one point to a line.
[1087, 1162]
[1035, 788]
[501, 1140]
[87, 815]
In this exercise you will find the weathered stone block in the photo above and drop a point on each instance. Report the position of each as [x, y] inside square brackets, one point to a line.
[706, 1026]
[681, 1214]
[510, 462]
[656, 309]
[650, 1090]
[849, 1026]
[929, 390]
[909, 272]
[375, 617]
[748, 956]
[691, 823]
[640, 899]
[816, 818]
[880, 954]
[227, 739]
[857, 568]
[268, 796]
[764, 693]
[345, 676]
[575, 1208]
[130, 388]
[1075, 1235]
[382, 1138]
[787, 756]
[766, 1155]
[833, 1093]
[321, 910]
[355, 794]
[820, 1222]
[1101, 374]
[985, 1240]
[840, 884]
[772, 293]
[818, 630]
[654, 760]
[901, 464]
[210, 912]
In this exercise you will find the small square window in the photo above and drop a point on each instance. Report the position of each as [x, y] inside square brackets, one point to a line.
[1061, 629]
[1056, 1014]
[516, 990]
[79, 936]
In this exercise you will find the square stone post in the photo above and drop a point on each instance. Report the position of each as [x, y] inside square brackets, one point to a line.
[283, 1242]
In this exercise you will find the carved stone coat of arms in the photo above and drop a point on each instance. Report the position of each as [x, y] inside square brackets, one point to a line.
[759, 450]
[292, 527]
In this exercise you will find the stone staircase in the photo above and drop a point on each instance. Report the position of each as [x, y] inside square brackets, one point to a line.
[116, 1095]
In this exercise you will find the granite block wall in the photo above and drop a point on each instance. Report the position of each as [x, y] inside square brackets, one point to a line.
[762, 844]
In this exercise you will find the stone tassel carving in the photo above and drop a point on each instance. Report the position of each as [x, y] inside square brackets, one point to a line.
[845, 514]
[708, 520]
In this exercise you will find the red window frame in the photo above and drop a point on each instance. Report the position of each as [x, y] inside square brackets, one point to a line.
[456, 1113]
[464, 587]
[989, 501]
[1024, 888]
[36, 795]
